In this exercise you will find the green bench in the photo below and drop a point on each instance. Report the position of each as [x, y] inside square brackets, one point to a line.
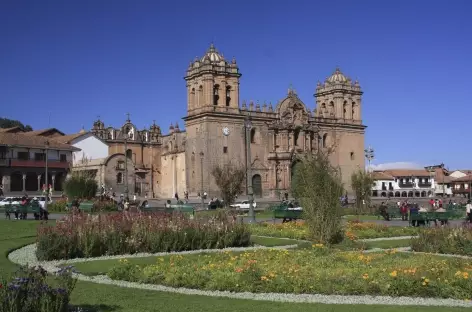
[393, 212]
[283, 212]
[427, 217]
[34, 208]
[85, 206]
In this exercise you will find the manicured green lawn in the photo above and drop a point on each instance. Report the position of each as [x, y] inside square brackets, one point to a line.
[14, 234]
[386, 244]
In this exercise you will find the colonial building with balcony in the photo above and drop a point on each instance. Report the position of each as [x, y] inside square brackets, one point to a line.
[461, 187]
[406, 183]
[23, 159]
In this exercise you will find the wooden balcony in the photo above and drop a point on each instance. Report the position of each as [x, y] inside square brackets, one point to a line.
[406, 184]
[39, 163]
[4, 162]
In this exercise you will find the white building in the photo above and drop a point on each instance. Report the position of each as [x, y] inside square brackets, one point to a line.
[91, 147]
[403, 183]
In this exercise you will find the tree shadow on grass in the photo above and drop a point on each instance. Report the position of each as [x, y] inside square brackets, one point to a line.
[93, 308]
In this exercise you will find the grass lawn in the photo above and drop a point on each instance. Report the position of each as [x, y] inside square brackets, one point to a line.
[389, 244]
[14, 234]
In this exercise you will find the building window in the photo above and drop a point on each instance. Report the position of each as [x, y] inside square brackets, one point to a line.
[120, 165]
[216, 95]
[23, 155]
[325, 140]
[63, 158]
[253, 136]
[225, 149]
[352, 155]
[228, 95]
[39, 156]
[119, 178]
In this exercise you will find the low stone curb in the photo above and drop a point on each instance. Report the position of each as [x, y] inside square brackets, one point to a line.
[27, 256]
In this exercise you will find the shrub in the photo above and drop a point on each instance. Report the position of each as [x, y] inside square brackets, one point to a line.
[82, 235]
[80, 185]
[361, 183]
[230, 179]
[315, 270]
[30, 290]
[59, 205]
[317, 184]
[445, 240]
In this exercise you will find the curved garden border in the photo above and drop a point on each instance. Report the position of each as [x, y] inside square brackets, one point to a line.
[27, 256]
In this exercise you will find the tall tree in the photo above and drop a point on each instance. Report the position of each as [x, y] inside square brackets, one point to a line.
[361, 183]
[229, 178]
[10, 123]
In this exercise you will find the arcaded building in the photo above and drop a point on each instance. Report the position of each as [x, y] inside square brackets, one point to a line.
[214, 133]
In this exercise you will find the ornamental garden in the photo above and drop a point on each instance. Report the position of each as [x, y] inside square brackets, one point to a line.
[168, 261]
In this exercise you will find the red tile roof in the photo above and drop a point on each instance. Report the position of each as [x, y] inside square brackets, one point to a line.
[33, 141]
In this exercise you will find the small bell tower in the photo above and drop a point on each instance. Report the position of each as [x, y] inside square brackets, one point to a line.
[212, 81]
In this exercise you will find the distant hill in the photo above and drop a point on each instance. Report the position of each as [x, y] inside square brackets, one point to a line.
[10, 123]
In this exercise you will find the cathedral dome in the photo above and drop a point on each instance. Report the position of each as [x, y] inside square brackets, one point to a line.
[212, 55]
[337, 77]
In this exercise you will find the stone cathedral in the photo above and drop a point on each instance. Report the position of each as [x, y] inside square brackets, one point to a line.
[214, 133]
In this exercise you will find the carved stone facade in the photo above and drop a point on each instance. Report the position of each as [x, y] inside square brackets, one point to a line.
[215, 133]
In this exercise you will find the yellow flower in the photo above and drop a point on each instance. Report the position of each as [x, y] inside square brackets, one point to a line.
[264, 278]
[393, 274]
[365, 276]
[317, 245]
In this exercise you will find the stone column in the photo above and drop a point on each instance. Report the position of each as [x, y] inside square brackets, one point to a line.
[54, 181]
[6, 184]
[39, 182]
[24, 182]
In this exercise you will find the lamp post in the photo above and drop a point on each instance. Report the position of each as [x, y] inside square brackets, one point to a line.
[125, 137]
[248, 126]
[369, 155]
[46, 177]
[201, 172]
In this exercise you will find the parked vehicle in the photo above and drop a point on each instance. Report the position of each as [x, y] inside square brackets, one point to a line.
[244, 205]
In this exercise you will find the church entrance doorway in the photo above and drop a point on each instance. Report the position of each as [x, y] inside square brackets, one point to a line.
[257, 185]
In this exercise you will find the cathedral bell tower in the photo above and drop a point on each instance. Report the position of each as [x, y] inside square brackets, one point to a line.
[212, 84]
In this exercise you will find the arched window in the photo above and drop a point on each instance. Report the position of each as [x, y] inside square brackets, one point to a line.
[331, 108]
[192, 98]
[352, 155]
[345, 110]
[325, 140]
[216, 94]
[228, 95]
[354, 111]
[200, 96]
[253, 135]
[119, 178]
[129, 154]
[296, 135]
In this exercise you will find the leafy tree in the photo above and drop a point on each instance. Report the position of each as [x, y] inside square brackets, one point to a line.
[229, 178]
[81, 185]
[317, 185]
[10, 123]
[361, 183]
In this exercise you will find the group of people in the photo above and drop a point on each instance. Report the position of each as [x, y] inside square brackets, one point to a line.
[434, 205]
[25, 201]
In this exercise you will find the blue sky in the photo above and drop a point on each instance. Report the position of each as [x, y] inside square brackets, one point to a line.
[74, 60]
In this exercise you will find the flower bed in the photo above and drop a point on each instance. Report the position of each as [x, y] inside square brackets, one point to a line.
[83, 236]
[31, 290]
[445, 240]
[318, 270]
[353, 230]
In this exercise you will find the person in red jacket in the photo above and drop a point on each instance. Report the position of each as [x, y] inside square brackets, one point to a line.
[404, 212]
